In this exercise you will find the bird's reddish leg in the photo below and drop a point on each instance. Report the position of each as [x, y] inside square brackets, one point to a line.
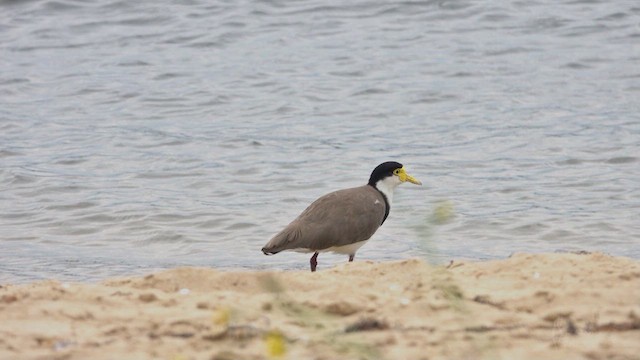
[314, 262]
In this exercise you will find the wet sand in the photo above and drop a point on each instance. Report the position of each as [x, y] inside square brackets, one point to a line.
[529, 306]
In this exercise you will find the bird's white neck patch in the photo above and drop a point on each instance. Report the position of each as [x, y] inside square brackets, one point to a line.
[387, 185]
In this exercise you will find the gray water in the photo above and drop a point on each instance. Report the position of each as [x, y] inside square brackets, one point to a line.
[139, 135]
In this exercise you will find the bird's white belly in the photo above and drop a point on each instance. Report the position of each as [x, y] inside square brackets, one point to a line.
[344, 249]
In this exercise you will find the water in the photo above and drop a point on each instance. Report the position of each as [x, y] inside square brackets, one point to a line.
[138, 135]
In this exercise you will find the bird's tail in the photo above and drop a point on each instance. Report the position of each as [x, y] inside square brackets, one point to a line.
[281, 241]
[266, 251]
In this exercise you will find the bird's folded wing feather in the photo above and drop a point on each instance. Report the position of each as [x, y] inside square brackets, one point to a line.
[339, 218]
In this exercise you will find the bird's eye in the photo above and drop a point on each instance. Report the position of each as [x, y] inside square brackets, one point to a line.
[396, 172]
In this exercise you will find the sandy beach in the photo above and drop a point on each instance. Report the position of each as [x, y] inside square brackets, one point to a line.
[529, 306]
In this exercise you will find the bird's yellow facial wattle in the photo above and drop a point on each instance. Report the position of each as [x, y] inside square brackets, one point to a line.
[402, 174]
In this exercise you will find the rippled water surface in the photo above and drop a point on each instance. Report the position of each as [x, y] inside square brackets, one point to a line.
[137, 135]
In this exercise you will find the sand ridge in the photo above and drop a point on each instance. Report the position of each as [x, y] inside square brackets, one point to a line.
[529, 306]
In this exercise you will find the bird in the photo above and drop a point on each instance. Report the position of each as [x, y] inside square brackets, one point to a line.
[344, 220]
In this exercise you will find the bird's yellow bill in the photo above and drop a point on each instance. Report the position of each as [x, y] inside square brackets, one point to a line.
[406, 177]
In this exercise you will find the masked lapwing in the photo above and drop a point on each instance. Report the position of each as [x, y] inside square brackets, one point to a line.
[344, 220]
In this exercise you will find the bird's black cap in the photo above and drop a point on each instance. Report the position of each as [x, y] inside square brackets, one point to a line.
[382, 171]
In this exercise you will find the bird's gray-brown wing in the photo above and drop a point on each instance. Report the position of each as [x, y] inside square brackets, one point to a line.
[339, 218]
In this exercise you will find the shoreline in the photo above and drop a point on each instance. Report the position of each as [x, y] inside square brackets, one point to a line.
[528, 306]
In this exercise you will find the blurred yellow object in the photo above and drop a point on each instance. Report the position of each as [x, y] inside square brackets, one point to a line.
[276, 347]
[221, 316]
[179, 357]
[443, 212]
